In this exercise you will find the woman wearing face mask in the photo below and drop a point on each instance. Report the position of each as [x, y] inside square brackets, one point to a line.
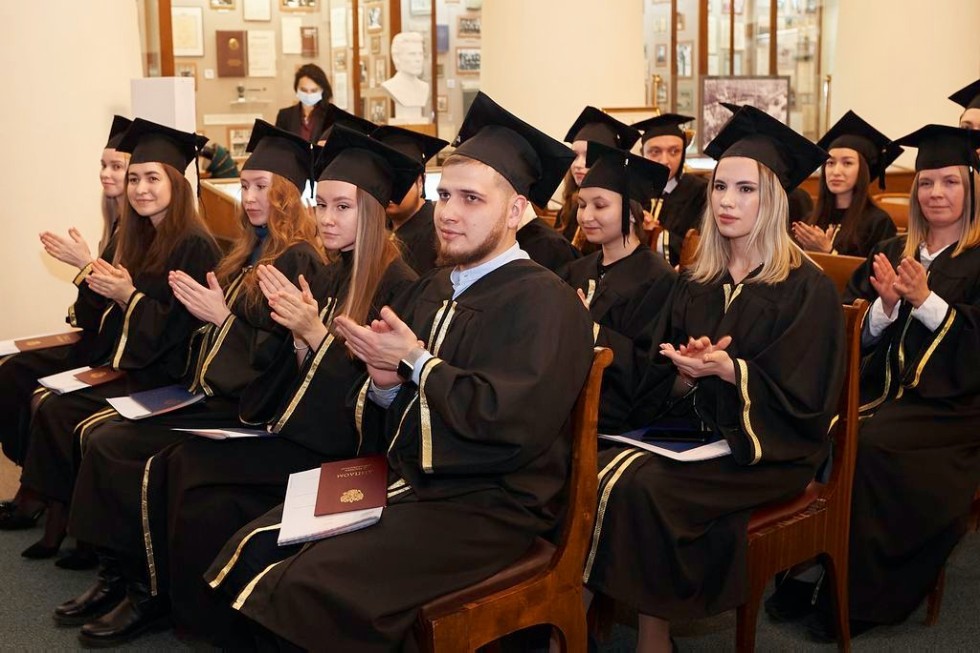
[145, 331]
[624, 284]
[670, 538]
[313, 113]
[19, 373]
[846, 220]
[918, 453]
[238, 342]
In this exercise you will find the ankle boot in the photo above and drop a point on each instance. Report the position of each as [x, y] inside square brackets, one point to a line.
[139, 612]
[108, 590]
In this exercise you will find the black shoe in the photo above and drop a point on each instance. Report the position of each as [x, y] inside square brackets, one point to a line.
[821, 627]
[92, 604]
[15, 520]
[8, 505]
[792, 600]
[78, 559]
[136, 614]
[39, 551]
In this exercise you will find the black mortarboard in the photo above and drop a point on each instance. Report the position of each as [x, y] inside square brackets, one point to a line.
[968, 97]
[666, 124]
[280, 152]
[595, 125]
[420, 147]
[381, 171]
[149, 142]
[757, 135]
[116, 131]
[350, 121]
[941, 146]
[630, 175]
[855, 133]
[530, 160]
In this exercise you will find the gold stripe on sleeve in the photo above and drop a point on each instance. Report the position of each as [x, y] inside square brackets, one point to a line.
[80, 277]
[215, 348]
[425, 419]
[601, 512]
[743, 387]
[401, 422]
[238, 552]
[240, 601]
[595, 332]
[445, 329]
[359, 412]
[121, 345]
[85, 428]
[301, 391]
[932, 347]
[147, 538]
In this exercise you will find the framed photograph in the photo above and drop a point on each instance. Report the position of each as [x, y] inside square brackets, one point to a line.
[380, 70]
[238, 136]
[660, 55]
[188, 31]
[440, 70]
[442, 38]
[468, 61]
[257, 9]
[223, 4]
[297, 5]
[378, 110]
[769, 94]
[186, 69]
[685, 59]
[374, 14]
[362, 71]
[375, 45]
[442, 103]
[340, 59]
[309, 41]
[681, 22]
[662, 94]
[468, 27]
[420, 7]
[685, 97]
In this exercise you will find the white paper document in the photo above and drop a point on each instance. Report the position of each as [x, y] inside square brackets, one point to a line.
[299, 524]
[226, 434]
[683, 452]
[141, 405]
[65, 382]
[8, 347]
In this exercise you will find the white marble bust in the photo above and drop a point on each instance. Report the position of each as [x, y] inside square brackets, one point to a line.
[408, 91]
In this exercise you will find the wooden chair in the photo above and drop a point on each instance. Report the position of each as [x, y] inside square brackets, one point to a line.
[545, 585]
[838, 268]
[815, 524]
[689, 248]
[896, 205]
[935, 600]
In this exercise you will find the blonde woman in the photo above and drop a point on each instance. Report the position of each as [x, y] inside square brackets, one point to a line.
[920, 392]
[752, 349]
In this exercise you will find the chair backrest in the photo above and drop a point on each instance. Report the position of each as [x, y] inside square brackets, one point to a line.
[838, 268]
[896, 205]
[583, 480]
[689, 248]
[653, 236]
[838, 487]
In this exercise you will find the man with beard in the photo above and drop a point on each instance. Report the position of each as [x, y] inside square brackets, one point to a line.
[472, 377]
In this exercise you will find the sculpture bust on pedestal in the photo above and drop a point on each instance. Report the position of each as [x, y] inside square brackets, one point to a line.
[410, 93]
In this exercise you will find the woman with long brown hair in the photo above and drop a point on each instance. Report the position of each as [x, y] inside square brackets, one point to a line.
[846, 220]
[145, 330]
[19, 373]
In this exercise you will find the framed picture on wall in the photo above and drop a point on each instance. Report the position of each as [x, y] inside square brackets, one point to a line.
[442, 103]
[378, 110]
[375, 17]
[380, 70]
[685, 59]
[238, 136]
[186, 69]
[660, 55]
[468, 61]
[468, 27]
[223, 4]
[420, 7]
[375, 45]
[340, 59]
[187, 24]
[769, 94]
[297, 5]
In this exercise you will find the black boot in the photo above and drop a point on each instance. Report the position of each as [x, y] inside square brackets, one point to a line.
[139, 612]
[96, 600]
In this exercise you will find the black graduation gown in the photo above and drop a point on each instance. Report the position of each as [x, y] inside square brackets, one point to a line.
[875, 226]
[670, 537]
[682, 209]
[545, 246]
[19, 372]
[148, 340]
[918, 461]
[418, 237]
[475, 468]
[111, 484]
[623, 303]
[211, 489]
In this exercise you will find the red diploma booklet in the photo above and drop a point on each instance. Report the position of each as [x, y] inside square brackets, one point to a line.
[355, 484]
[44, 342]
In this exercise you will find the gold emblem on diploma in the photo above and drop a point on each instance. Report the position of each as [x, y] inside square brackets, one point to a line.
[351, 496]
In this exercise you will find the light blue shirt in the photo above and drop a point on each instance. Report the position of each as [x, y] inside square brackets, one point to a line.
[461, 280]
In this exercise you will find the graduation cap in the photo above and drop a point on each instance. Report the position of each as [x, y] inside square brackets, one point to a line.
[855, 133]
[757, 135]
[530, 160]
[968, 97]
[280, 152]
[941, 146]
[381, 171]
[116, 131]
[350, 121]
[149, 142]
[420, 147]
[630, 175]
[595, 125]
[666, 124]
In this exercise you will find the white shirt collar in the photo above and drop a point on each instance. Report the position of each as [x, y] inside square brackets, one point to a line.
[926, 258]
[463, 279]
[671, 185]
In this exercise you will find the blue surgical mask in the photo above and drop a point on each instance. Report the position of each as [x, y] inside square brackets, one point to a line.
[309, 99]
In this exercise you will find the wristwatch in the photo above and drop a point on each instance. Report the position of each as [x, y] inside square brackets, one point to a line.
[406, 366]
